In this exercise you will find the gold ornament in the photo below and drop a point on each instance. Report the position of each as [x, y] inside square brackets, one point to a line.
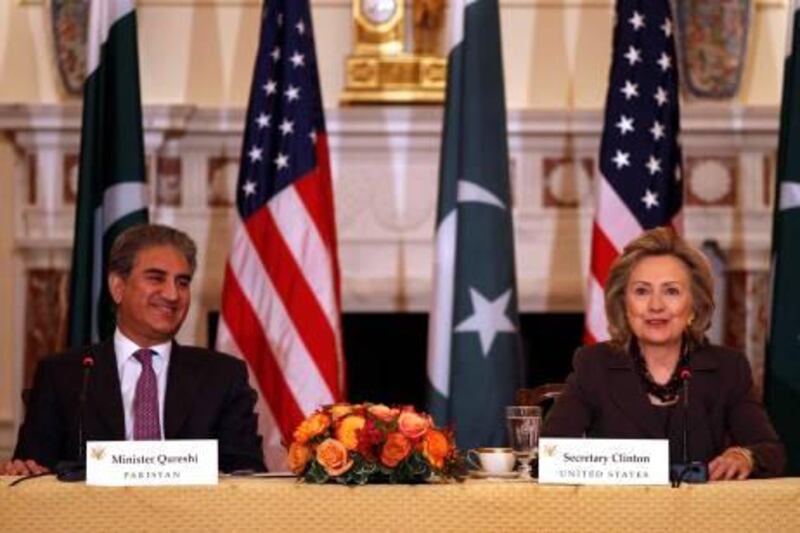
[380, 70]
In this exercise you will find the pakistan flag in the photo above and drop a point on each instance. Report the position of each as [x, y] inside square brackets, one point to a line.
[782, 375]
[111, 180]
[474, 355]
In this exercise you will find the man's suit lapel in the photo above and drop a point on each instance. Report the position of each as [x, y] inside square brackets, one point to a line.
[104, 391]
[627, 394]
[183, 379]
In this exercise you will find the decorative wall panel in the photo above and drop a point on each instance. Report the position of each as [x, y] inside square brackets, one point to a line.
[567, 182]
[168, 181]
[45, 316]
[70, 179]
[222, 174]
[711, 181]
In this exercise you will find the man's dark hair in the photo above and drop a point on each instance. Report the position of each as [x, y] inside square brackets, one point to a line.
[132, 241]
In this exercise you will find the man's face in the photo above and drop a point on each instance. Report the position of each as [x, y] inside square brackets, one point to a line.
[153, 300]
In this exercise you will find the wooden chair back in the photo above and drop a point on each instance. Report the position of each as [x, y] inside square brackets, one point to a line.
[543, 395]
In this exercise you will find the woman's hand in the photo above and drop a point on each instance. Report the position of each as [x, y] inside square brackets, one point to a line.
[733, 463]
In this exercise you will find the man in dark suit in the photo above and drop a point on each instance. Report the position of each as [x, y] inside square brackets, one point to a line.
[142, 384]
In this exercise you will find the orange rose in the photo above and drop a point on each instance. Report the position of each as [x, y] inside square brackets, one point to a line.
[312, 426]
[299, 455]
[383, 412]
[340, 410]
[413, 425]
[435, 448]
[347, 431]
[395, 449]
[333, 457]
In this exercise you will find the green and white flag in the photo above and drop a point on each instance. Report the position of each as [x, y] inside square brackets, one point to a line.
[474, 354]
[111, 182]
[782, 375]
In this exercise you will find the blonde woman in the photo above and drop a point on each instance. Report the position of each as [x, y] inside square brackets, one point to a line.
[659, 302]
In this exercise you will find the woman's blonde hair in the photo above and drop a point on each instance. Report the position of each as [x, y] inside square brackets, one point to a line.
[655, 242]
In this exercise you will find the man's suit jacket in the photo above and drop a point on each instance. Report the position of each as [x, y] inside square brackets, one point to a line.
[207, 397]
[604, 397]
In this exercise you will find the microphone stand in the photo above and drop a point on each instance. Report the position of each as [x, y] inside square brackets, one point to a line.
[685, 375]
[688, 471]
[76, 470]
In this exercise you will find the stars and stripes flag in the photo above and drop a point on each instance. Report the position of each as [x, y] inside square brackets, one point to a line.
[640, 186]
[280, 298]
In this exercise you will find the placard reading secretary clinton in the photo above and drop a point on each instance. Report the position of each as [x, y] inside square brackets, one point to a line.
[188, 392]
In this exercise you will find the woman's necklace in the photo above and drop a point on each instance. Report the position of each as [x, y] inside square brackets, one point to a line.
[668, 392]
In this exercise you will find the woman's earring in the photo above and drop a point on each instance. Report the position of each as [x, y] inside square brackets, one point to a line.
[690, 321]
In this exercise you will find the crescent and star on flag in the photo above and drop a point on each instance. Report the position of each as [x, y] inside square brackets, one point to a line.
[488, 317]
[790, 195]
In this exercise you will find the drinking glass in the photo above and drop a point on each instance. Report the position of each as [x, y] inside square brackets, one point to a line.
[524, 422]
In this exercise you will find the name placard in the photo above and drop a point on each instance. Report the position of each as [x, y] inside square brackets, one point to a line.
[604, 461]
[122, 463]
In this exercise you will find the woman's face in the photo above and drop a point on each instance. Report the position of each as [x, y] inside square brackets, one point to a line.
[658, 301]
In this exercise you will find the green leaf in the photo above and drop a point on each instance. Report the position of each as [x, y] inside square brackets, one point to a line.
[316, 473]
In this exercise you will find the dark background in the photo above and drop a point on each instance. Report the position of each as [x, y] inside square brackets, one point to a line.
[385, 352]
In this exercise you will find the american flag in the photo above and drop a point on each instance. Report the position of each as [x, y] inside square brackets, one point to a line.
[640, 158]
[280, 298]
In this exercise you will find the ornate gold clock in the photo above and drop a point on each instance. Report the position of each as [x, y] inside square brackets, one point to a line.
[379, 26]
[380, 70]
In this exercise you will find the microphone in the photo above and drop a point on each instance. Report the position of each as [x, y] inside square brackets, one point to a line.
[76, 470]
[685, 376]
[88, 364]
[687, 470]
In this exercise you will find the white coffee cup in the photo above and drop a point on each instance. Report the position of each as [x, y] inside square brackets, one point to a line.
[492, 460]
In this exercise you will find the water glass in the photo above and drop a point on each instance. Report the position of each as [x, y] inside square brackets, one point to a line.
[524, 423]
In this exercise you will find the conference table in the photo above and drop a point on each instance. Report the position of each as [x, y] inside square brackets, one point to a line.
[266, 504]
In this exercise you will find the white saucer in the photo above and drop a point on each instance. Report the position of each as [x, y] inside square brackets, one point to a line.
[481, 474]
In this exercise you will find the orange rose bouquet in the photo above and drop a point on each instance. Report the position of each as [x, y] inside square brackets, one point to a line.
[358, 444]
